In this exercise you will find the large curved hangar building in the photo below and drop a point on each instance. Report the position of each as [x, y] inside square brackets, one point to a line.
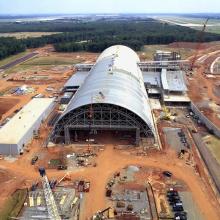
[112, 97]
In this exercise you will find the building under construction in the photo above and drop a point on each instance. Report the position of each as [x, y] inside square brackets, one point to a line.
[112, 97]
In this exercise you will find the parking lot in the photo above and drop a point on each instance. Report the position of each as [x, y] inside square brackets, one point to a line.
[176, 139]
[193, 212]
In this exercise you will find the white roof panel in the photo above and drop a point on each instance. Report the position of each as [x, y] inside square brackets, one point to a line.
[173, 81]
[118, 77]
[19, 125]
[76, 79]
[152, 78]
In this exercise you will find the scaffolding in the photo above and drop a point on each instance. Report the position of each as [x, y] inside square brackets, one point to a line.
[105, 117]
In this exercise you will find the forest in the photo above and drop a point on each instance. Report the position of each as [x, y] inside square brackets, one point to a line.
[95, 36]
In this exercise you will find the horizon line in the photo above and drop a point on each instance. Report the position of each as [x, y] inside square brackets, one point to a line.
[107, 13]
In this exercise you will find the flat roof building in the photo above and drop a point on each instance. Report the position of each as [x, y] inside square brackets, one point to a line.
[20, 129]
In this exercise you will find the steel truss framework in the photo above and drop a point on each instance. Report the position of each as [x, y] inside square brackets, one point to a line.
[99, 116]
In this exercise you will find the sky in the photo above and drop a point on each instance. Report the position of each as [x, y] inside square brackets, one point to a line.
[107, 6]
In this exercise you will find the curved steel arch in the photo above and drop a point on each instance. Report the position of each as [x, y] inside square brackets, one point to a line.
[104, 116]
[115, 79]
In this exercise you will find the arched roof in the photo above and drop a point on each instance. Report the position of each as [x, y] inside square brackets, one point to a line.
[115, 79]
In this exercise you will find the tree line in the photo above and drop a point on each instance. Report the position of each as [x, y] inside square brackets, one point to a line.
[10, 46]
[95, 36]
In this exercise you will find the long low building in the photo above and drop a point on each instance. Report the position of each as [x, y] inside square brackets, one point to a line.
[19, 131]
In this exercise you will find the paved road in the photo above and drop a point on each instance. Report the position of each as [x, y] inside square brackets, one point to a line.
[18, 61]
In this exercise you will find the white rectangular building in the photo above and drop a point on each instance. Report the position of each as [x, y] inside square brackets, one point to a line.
[20, 129]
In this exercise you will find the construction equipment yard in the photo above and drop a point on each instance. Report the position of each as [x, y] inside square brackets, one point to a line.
[117, 172]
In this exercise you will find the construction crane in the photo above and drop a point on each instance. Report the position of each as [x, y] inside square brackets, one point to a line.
[200, 39]
[50, 201]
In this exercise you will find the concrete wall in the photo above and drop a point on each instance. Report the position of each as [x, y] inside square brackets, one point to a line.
[29, 135]
[205, 120]
[9, 149]
[211, 163]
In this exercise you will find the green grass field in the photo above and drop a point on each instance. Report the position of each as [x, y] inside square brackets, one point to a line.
[42, 63]
[50, 60]
[13, 57]
[13, 205]
[213, 144]
[149, 50]
[23, 35]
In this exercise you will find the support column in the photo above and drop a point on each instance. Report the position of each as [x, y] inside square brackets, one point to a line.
[75, 136]
[67, 135]
[137, 136]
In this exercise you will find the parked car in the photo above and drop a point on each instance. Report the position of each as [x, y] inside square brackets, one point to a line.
[180, 216]
[86, 186]
[174, 198]
[178, 208]
[167, 173]
[61, 167]
[172, 193]
[34, 160]
[81, 186]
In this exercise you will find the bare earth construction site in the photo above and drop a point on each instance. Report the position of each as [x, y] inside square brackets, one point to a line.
[114, 136]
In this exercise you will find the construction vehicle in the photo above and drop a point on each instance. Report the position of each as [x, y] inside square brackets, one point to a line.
[36, 134]
[100, 214]
[4, 75]
[62, 167]
[34, 160]
[166, 113]
[49, 198]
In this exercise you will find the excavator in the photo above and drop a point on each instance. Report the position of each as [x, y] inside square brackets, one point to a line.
[166, 113]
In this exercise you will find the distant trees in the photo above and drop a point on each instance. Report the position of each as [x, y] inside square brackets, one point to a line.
[97, 35]
[10, 46]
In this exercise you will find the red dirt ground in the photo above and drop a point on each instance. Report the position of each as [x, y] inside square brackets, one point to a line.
[108, 162]
[6, 104]
[191, 45]
[199, 84]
